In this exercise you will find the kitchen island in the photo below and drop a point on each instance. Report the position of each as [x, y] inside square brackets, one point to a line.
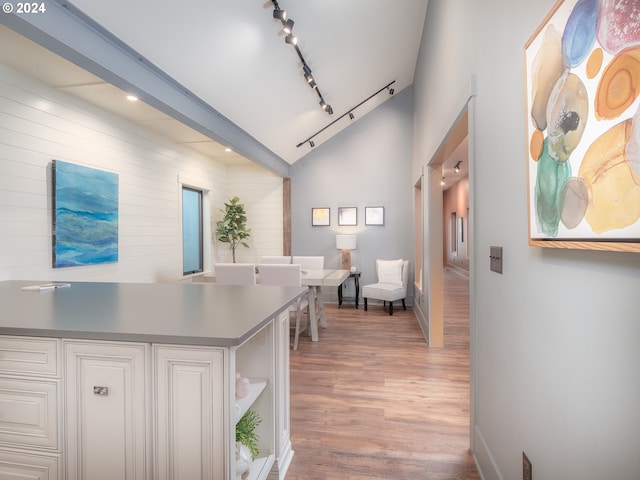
[119, 380]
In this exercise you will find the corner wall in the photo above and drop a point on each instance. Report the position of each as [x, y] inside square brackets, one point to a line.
[367, 164]
[556, 338]
[39, 124]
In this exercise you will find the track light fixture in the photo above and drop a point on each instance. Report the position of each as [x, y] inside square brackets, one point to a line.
[291, 39]
[311, 144]
[329, 110]
[457, 167]
[287, 26]
[391, 90]
[442, 182]
[279, 14]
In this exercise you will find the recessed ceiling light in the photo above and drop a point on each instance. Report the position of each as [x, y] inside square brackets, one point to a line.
[132, 98]
[227, 149]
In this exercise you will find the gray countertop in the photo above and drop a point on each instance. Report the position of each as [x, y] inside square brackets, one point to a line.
[191, 314]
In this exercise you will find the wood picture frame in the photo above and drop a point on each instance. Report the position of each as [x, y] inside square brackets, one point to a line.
[583, 140]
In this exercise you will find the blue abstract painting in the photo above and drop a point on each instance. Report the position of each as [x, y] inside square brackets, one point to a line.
[85, 215]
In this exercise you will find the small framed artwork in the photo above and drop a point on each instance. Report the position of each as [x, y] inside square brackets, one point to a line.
[374, 215]
[347, 216]
[320, 217]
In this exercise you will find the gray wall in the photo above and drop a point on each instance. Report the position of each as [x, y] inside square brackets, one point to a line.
[556, 338]
[367, 164]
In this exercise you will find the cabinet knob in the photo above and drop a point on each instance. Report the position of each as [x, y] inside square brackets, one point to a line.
[101, 391]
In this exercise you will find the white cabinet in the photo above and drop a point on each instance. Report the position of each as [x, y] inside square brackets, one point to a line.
[189, 412]
[30, 403]
[106, 407]
[284, 453]
[103, 410]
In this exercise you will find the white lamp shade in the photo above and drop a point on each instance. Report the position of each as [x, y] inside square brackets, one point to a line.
[346, 242]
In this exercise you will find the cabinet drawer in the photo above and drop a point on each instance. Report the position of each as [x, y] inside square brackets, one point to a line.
[23, 466]
[30, 356]
[29, 413]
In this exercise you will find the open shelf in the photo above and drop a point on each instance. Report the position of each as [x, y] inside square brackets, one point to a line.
[259, 468]
[243, 404]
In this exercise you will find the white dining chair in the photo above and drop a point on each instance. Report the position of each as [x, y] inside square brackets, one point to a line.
[235, 273]
[287, 276]
[270, 259]
[309, 262]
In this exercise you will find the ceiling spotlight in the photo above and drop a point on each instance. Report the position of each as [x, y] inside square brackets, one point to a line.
[351, 116]
[306, 69]
[442, 182]
[326, 107]
[132, 98]
[291, 39]
[457, 167]
[311, 144]
[279, 14]
[391, 90]
[288, 26]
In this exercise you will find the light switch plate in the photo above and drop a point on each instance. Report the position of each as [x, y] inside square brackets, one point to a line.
[495, 259]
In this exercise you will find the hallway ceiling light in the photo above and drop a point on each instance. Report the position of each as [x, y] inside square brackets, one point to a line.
[457, 167]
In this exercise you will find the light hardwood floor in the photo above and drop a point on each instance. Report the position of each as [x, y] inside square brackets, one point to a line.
[371, 401]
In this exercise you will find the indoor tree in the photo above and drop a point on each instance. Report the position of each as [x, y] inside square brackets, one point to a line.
[232, 229]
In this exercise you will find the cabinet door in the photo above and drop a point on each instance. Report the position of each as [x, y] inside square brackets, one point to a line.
[30, 466]
[106, 400]
[189, 392]
[284, 453]
[29, 413]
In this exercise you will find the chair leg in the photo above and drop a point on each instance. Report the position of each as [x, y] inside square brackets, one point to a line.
[390, 308]
[403, 305]
[297, 332]
[365, 304]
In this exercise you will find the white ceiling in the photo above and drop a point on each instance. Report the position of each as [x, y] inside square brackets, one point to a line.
[233, 56]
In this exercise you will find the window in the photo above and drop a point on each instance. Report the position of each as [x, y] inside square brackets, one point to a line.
[192, 254]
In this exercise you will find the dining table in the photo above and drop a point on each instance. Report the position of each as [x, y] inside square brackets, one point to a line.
[315, 280]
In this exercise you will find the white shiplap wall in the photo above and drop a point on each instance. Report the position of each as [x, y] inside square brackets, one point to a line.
[39, 124]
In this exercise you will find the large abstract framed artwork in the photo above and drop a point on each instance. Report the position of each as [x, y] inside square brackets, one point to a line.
[582, 75]
[85, 215]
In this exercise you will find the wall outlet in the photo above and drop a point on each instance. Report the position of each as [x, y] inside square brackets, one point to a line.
[527, 470]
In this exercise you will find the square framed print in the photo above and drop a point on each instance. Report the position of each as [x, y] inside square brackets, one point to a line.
[374, 215]
[582, 95]
[347, 216]
[320, 217]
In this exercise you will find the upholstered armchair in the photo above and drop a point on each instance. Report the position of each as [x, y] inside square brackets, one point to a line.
[392, 278]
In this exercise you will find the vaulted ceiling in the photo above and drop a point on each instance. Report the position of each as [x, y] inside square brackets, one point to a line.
[233, 57]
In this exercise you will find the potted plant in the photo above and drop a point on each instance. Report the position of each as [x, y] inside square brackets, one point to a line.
[232, 229]
[246, 441]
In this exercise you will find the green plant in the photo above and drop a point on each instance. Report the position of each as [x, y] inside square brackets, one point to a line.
[232, 229]
[245, 432]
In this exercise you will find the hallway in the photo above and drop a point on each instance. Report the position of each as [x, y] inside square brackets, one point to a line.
[371, 401]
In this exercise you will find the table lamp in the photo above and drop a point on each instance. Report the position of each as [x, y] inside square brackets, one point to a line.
[346, 243]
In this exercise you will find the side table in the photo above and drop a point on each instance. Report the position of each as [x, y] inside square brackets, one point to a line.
[356, 282]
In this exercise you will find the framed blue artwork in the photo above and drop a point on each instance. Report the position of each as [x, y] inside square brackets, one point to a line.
[85, 215]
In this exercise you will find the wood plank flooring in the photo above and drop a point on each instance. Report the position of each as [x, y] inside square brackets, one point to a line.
[371, 401]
